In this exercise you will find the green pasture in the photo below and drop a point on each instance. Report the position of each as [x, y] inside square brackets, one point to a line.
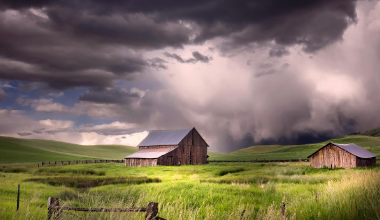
[15, 150]
[212, 191]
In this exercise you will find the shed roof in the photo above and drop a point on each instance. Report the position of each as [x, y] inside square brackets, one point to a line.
[353, 149]
[164, 137]
[151, 153]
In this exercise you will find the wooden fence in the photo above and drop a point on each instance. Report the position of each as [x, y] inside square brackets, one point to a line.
[55, 211]
[81, 162]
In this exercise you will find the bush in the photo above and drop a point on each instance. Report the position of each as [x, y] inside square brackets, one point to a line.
[227, 171]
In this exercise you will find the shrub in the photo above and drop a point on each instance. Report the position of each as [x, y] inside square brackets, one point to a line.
[227, 171]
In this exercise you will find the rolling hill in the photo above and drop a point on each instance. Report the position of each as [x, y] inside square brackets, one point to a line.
[16, 150]
[34, 150]
[291, 152]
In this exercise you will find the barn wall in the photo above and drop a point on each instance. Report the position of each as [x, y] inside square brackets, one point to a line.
[333, 156]
[139, 162]
[364, 162]
[192, 149]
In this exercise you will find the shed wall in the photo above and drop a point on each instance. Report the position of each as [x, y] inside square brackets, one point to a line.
[140, 162]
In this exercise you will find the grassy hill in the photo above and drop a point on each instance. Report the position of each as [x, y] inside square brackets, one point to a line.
[373, 132]
[291, 152]
[14, 150]
[35, 150]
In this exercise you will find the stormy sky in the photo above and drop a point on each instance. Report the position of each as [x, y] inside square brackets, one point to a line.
[242, 72]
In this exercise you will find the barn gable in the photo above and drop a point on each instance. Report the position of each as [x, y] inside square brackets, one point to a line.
[170, 147]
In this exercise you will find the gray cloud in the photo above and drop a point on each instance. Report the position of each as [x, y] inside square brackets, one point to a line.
[202, 58]
[196, 57]
[110, 95]
[266, 72]
[158, 63]
[278, 51]
[24, 134]
[2, 94]
[174, 56]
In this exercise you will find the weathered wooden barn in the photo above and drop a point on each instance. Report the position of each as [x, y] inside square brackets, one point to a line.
[170, 147]
[335, 155]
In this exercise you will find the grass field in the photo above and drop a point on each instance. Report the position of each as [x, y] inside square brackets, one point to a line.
[14, 150]
[212, 191]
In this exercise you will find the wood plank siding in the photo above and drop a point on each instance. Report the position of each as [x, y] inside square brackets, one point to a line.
[191, 150]
[332, 156]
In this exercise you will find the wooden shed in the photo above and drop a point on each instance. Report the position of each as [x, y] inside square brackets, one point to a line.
[170, 147]
[335, 155]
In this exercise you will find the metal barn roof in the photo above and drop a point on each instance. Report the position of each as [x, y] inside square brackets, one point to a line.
[164, 137]
[151, 153]
[356, 150]
[353, 149]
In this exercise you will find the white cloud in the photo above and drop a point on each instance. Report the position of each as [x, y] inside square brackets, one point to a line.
[56, 94]
[57, 123]
[16, 123]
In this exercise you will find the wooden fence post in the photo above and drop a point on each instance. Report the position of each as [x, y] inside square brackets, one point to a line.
[242, 214]
[283, 208]
[151, 211]
[53, 212]
[18, 196]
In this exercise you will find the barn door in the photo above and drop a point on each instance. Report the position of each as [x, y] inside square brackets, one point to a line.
[191, 162]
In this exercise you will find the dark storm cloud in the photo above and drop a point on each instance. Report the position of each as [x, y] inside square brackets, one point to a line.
[109, 95]
[33, 53]
[157, 24]
[196, 57]
[134, 30]
[299, 137]
[94, 43]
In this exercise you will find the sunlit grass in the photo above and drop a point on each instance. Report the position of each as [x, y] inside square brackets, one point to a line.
[201, 192]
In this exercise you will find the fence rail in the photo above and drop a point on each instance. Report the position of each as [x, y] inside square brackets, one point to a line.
[55, 211]
[81, 162]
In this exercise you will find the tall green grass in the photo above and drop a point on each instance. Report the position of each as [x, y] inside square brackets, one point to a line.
[200, 192]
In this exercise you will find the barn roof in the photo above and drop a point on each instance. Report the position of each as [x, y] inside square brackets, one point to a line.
[151, 153]
[353, 149]
[164, 137]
